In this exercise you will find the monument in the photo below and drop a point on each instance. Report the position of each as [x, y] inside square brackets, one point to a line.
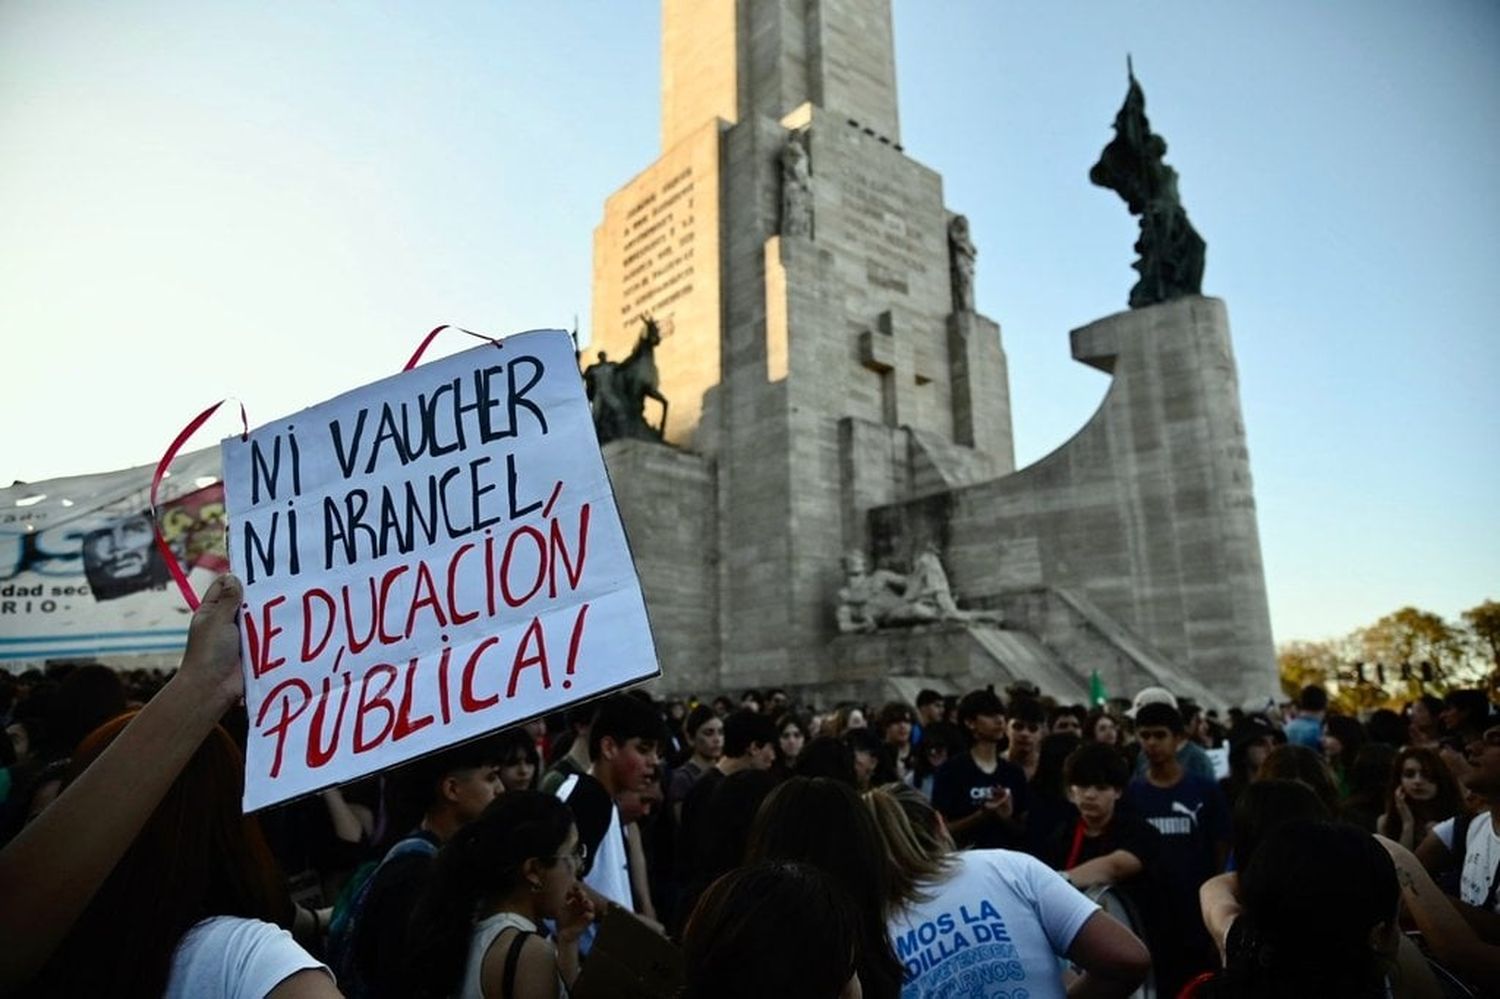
[834, 390]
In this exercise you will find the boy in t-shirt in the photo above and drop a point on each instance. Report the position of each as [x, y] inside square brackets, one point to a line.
[1193, 819]
[623, 739]
[981, 796]
[1107, 845]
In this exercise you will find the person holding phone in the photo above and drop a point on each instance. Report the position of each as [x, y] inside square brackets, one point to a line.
[981, 796]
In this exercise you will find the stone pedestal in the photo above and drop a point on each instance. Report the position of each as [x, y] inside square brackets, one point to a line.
[666, 500]
[1144, 520]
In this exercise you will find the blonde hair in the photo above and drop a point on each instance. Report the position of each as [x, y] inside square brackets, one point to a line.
[917, 842]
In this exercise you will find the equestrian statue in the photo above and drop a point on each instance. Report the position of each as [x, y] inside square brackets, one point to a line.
[618, 390]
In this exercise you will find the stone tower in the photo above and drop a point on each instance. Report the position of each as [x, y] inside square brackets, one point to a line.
[819, 356]
[831, 387]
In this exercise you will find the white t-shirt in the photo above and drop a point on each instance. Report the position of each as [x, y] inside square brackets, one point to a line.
[610, 873]
[1481, 856]
[235, 958]
[995, 927]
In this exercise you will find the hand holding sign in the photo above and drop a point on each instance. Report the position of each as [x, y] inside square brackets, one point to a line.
[212, 658]
[426, 559]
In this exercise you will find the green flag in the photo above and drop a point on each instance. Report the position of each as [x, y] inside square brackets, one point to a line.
[1097, 694]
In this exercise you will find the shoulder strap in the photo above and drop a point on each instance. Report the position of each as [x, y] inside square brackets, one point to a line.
[408, 846]
[1460, 847]
[1489, 896]
[512, 959]
[1450, 878]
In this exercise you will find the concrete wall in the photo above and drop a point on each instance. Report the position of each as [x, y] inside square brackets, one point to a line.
[667, 503]
[1148, 513]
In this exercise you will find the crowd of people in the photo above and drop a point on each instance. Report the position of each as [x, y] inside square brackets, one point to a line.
[993, 843]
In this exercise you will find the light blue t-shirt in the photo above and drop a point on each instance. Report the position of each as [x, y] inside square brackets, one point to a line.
[1305, 732]
[995, 928]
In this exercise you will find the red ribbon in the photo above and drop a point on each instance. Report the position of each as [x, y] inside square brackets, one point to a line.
[427, 341]
[173, 566]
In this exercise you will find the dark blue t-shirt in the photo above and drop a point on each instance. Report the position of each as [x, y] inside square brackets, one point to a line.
[959, 788]
[1192, 817]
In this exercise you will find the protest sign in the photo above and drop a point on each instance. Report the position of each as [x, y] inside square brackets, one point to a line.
[426, 559]
[80, 575]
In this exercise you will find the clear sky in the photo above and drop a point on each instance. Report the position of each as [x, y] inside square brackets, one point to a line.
[274, 201]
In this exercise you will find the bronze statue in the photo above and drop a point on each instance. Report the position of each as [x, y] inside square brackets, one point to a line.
[618, 391]
[1171, 251]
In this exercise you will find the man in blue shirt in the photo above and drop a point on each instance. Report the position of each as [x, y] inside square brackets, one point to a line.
[1307, 728]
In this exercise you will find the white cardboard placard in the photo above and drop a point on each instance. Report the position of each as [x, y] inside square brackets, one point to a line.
[426, 559]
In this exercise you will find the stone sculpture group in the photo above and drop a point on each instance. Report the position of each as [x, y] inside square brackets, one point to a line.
[882, 598]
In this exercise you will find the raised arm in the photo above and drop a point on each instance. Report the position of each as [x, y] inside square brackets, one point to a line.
[1451, 938]
[49, 873]
[351, 823]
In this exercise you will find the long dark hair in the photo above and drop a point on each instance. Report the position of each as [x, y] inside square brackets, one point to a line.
[1312, 894]
[822, 822]
[772, 929]
[197, 856]
[724, 827]
[481, 863]
[1444, 804]
[1351, 736]
[1267, 805]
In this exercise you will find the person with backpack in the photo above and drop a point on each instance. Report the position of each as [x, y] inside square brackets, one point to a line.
[367, 940]
[474, 932]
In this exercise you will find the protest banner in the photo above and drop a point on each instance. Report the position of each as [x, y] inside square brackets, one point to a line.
[427, 559]
[80, 576]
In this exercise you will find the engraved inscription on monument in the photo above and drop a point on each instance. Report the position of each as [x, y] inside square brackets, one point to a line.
[658, 249]
[656, 254]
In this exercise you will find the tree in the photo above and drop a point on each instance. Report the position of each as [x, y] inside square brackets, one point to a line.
[1484, 624]
[1303, 664]
[1415, 636]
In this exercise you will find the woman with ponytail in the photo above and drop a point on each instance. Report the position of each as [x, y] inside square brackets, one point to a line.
[474, 931]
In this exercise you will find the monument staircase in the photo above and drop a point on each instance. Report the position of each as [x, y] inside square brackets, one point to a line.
[1053, 637]
[1074, 630]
